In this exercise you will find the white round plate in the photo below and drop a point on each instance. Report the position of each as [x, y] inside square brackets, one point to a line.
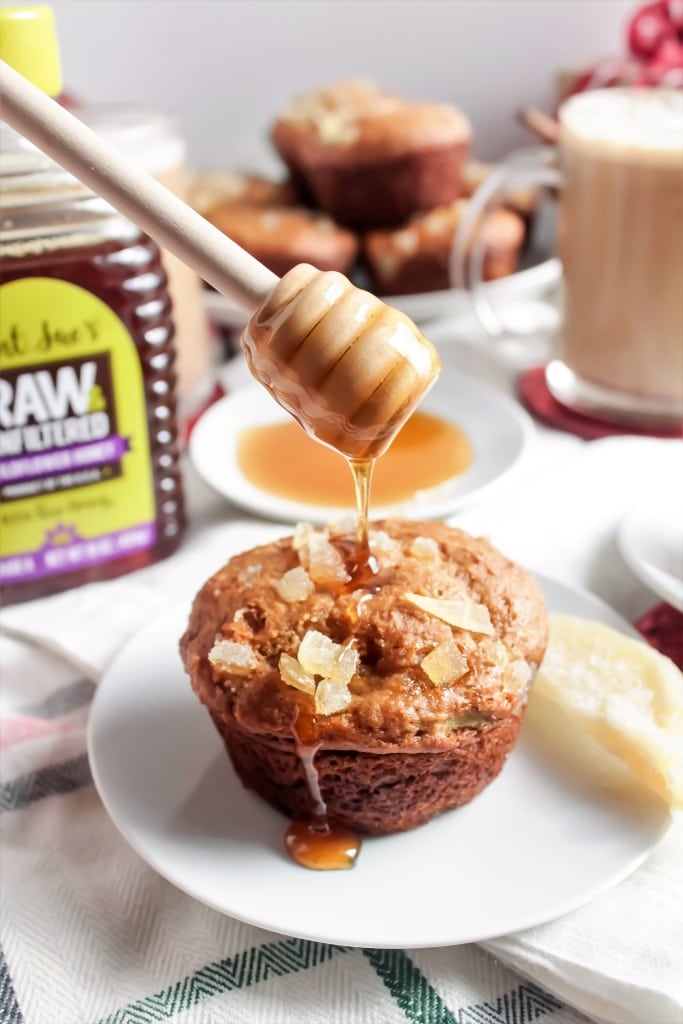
[651, 541]
[499, 431]
[540, 841]
[425, 306]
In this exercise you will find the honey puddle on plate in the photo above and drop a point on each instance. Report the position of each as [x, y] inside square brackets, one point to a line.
[282, 460]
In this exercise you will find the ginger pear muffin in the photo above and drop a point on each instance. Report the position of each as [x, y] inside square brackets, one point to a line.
[370, 159]
[282, 237]
[416, 257]
[404, 698]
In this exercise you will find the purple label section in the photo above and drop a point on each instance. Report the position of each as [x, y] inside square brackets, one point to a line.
[65, 551]
[63, 460]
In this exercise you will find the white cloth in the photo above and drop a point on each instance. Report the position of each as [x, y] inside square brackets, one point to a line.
[619, 958]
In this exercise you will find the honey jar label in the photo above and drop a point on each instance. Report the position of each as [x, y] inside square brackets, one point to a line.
[76, 484]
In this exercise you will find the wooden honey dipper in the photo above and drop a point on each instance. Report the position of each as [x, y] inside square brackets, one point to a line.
[349, 368]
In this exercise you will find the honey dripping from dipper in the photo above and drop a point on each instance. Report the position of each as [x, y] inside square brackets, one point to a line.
[350, 370]
[316, 842]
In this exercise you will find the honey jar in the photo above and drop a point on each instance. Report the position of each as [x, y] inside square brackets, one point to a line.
[90, 485]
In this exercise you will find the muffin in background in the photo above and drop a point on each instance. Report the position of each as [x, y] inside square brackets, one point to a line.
[370, 159]
[417, 692]
[281, 237]
[416, 257]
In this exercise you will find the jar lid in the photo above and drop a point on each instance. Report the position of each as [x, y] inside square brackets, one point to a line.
[28, 43]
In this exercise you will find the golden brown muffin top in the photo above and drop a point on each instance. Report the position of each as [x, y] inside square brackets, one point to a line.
[321, 112]
[383, 135]
[415, 677]
[354, 121]
[346, 98]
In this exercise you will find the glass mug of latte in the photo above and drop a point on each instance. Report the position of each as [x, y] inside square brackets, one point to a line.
[620, 241]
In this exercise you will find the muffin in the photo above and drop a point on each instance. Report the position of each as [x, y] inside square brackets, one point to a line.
[372, 160]
[281, 237]
[407, 697]
[417, 256]
[212, 188]
[320, 110]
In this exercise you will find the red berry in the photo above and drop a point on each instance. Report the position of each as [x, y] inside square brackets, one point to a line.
[674, 9]
[649, 27]
[669, 56]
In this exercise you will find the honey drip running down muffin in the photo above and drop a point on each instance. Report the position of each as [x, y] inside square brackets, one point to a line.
[378, 705]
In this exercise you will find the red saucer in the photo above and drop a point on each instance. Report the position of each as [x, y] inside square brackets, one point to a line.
[534, 394]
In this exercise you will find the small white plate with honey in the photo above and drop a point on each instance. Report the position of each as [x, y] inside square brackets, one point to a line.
[464, 440]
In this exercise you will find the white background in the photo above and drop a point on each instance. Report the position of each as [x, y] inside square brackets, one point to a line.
[225, 67]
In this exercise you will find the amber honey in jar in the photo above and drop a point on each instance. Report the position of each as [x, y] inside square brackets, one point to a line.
[90, 486]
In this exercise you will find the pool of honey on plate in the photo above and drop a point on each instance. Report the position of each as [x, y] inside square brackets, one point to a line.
[283, 460]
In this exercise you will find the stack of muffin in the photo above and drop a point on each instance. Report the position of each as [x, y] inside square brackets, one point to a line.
[374, 183]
